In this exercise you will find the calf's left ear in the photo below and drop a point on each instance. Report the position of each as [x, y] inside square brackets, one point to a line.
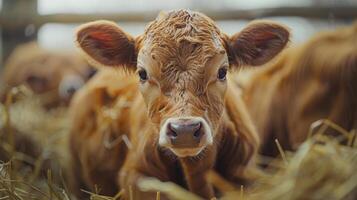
[105, 44]
[258, 43]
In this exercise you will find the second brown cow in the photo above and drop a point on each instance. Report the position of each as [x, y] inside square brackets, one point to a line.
[54, 76]
[180, 113]
[310, 82]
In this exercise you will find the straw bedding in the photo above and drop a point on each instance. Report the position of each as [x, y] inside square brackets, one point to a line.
[34, 154]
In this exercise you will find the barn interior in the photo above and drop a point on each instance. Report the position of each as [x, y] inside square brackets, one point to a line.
[34, 128]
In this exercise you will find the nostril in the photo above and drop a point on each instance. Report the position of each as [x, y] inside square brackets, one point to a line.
[198, 131]
[171, 131]
[197, 134]
[196, 126]
[172, 134]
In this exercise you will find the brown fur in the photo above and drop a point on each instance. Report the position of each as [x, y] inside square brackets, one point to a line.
[181, 52]
[317, 80]
[42, 71]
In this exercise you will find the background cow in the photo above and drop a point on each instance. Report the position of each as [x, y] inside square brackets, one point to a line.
[54, 76]
[188, 119]
[317, 80]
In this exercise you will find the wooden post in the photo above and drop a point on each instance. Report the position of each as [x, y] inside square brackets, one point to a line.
[22, 12]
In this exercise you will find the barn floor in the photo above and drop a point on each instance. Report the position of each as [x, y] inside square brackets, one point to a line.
[320, 169]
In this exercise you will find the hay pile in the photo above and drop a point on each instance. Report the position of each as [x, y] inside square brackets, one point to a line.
[33, 147]
[47, 128]
[34, 153]
[31, 153]
[320, 169]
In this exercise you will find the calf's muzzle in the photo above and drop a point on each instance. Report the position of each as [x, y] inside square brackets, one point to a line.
[185, 136]
[185, 133]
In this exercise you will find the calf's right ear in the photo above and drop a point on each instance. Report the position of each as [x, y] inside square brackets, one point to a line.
[258, 43]
[105, 44]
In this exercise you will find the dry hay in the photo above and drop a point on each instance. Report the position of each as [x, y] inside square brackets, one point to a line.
[31, 148]
[47, 128]
[322, 168]
[34, 153]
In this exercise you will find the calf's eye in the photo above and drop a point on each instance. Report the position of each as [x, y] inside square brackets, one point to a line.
[143, 75]
[222, 73]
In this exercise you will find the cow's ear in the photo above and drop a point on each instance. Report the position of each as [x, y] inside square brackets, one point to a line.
[105, 44]
[258, 43]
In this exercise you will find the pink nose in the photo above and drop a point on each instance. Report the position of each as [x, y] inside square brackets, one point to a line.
[185, 133]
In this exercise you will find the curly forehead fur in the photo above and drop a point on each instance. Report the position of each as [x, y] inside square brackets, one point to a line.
[174, 28]
[182, 42]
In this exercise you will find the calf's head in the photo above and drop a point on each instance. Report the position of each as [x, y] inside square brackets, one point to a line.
[182, 61]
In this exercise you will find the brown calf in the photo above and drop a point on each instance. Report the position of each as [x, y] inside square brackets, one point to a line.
[317, 80]
[54, 76]
[183, 117]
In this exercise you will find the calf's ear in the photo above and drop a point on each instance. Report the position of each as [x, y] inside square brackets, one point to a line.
[105, 44]
[258, 43]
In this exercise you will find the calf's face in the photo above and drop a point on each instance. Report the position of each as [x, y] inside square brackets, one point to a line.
[182, 61]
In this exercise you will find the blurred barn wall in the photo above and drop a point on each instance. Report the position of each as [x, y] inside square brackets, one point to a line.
[12, 36]
[52, 22]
